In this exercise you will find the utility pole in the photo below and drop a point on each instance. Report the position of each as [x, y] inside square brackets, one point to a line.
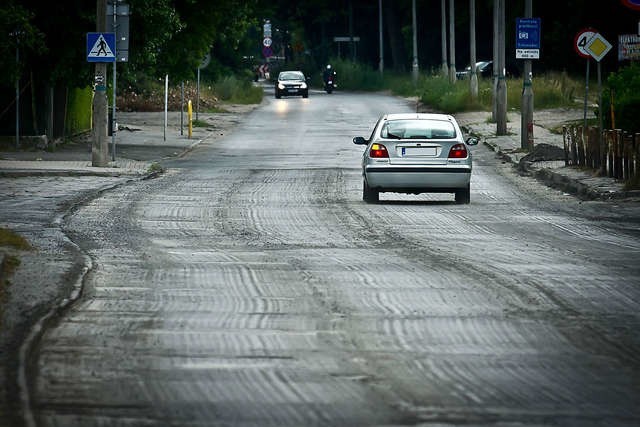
[501, 92]
[17, 36]
[415, 45]
[494, 87]
[99, 146]
[443, 32]
[473, 81]
[526, 109]
[452, 43]
[381, 63]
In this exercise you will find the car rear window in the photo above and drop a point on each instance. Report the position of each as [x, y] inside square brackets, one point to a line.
[418, 129]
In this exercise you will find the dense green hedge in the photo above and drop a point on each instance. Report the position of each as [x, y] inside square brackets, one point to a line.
[79, 107]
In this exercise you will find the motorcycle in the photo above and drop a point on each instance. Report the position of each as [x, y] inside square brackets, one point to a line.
[329, 83]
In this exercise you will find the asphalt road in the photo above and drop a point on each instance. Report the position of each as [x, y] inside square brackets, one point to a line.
[250, 285]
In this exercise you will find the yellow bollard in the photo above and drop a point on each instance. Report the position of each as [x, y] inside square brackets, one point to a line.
[189, 118]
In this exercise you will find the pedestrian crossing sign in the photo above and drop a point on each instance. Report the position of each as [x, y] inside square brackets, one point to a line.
[101, 47]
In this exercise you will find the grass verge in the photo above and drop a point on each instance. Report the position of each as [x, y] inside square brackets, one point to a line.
[10, 262]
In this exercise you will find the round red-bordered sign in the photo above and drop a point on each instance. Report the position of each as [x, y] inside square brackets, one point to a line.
[632, 4]
[581, 40]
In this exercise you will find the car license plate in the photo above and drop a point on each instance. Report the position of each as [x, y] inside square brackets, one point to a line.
[418, 151]
[292, 90]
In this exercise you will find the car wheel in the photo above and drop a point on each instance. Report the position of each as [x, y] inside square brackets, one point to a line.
[369, 195]
[278, 96]
[463, 196]
[305, 95]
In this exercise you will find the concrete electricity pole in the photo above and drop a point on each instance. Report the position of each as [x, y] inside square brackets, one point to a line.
[415, 44]
[501, 90]
[443, 29]
[452, 43]
[473, 80]
[381, 62]
[526, 118]
[100, 145]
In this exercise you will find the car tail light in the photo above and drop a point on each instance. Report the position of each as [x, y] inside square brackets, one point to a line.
[458, 151]
[378, 151]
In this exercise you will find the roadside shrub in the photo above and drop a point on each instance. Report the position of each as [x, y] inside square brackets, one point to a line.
[623, 97]
[356, 76]
[238, 91]
[79, 106]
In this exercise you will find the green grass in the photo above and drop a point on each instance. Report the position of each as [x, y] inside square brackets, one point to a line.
[154, 168]
[549, 91]
[197, 123]
[552, 90]
[13, 240]
[237, 91]
[9, 262]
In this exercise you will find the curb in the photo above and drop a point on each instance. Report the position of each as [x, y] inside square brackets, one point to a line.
[563, 182]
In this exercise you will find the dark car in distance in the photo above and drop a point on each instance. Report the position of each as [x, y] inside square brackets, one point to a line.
[483, 69]
[291, 83]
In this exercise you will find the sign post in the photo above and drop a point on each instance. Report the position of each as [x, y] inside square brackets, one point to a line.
[598, 47]
[527, 48]
[579, 44]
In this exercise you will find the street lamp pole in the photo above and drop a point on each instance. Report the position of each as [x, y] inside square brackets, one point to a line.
[443, 36]
[415, 44]
[381, 63]
[452, 43]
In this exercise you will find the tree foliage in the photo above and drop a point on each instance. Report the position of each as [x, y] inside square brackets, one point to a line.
[173, 36]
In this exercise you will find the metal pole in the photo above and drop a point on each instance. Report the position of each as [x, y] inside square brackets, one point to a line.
[198, 94]
[586, 96]
[415, 44]
[17, 91]
[166, 101]
[526, 109]
[600, 122]
[443, 35]
[181, 107]
[381, 63]
[113, 111]
[501, 119]
[452, 43]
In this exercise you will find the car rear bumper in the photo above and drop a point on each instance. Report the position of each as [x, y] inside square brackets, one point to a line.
[432, 178]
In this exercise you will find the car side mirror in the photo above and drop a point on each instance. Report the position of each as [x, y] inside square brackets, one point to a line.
[359, 140]
[472, 140]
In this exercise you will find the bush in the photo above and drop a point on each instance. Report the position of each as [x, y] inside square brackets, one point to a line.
[238, 91]
[79, 106]
[355, 76]
[624, 94]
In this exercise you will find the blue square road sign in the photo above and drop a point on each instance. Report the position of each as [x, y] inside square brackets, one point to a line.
[101, 47]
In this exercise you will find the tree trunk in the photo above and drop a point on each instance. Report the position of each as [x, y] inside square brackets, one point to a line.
[398, 53]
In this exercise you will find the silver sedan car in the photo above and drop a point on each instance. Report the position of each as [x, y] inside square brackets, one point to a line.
[416, 153]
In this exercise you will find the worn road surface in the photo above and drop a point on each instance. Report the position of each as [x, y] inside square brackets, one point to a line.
[250, 285]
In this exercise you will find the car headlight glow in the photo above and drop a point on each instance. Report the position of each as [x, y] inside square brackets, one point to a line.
[280, 85]
[303, 86]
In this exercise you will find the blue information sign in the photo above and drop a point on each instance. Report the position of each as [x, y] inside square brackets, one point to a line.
[101, 47]
[528, 33]
[528, 38]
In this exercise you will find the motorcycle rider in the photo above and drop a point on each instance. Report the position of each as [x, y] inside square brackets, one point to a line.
[329, 74]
